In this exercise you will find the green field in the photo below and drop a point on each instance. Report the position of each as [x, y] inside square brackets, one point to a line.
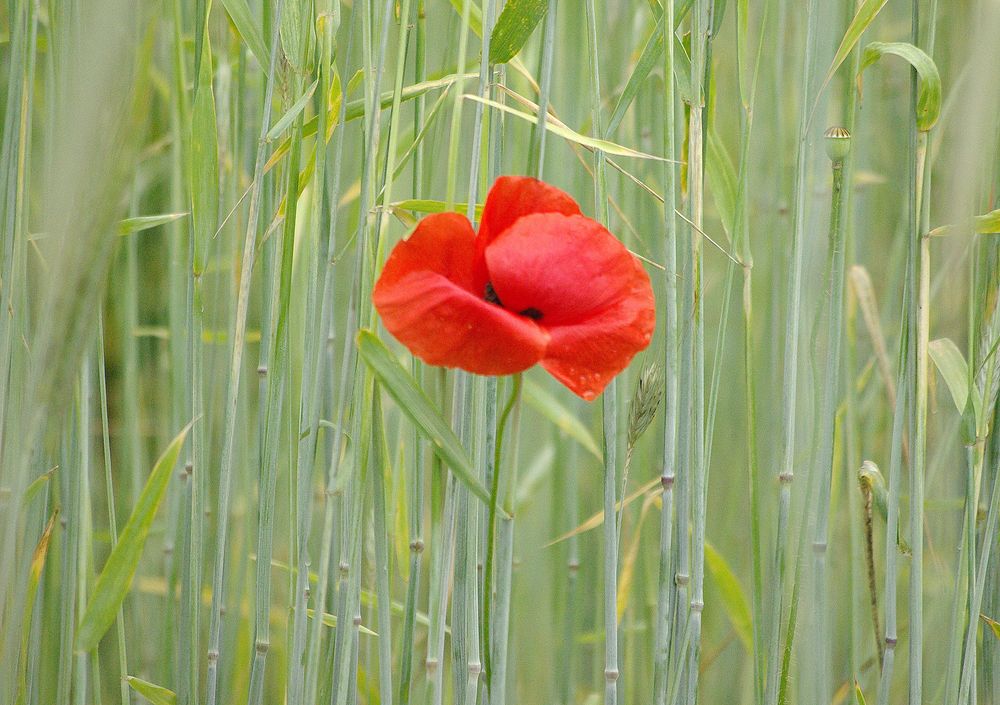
[223, 480]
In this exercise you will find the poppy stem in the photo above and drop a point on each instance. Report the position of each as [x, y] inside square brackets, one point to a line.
[512, 401]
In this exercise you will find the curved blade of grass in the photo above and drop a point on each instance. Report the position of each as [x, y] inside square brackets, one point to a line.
[116, 576]
[862, 20]
[952, 366]
[722, 179]
[426, 205]
[651, 53]
[568, 134]
[356, 109]
[561, 417]
[246, 27]
[155, 694]
[286, 120]
[597, 519]
[420, 409]
[145, 222]
[516, 23]
[734, 598]
[929, 91]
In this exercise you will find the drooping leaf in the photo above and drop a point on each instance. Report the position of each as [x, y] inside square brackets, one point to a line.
[734, 599]
[955, 370]
[929, 91]
[155, 694]
[412, 400]
[517, 21]
[116, 575]
[356, 109]
[565, 420]
[248, 29]
[568, 134]
[145, 222]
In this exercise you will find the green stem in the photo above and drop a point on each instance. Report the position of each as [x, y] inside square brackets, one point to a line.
[491, 524]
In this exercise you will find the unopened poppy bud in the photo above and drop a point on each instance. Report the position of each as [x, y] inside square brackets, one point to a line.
[838, 143]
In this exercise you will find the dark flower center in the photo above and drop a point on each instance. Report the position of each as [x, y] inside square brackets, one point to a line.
[490, 296]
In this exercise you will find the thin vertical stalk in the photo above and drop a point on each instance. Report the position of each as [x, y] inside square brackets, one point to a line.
[109, 489]
[608, 403]
[838, 141]
[378, 468]
[233, 385]
[671, 351]
[793, 316]
[415, 480]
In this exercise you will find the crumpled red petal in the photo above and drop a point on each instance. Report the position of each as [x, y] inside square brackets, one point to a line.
[584, 287]
[425, 300]
[587, 356]
[511, 198]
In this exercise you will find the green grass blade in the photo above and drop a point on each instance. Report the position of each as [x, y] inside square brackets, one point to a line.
[146, 222]
[561, 417]
[248, 29]
[929, 92]
[863, 18]
[116, 576]
[515, 24]
[155, 694]
[732, 594]
[420, 409]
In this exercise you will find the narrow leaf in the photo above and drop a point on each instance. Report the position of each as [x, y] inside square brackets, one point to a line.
[651, 53]
[425, 205]
[116, 576]
[862, 19]
[734, 599]
[721, 180]
[597, 519]
[515, 24]
[247, 28]
[568, 134]
[952, 366]
[420, 409]
[155, 694]
[929, 92]
[561, 417]
[293, 112]
[145, 222]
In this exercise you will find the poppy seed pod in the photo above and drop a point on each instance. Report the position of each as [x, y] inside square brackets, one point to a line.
[539, 283]
[838, 143]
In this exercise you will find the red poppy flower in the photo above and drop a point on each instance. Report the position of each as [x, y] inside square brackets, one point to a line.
[539, 283]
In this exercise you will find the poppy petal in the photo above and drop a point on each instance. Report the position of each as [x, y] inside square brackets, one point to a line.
[443, 243]
[445, 325]
[426, 300]
[566, 268]
[581, 284]
[513, 197]
[588, 355]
